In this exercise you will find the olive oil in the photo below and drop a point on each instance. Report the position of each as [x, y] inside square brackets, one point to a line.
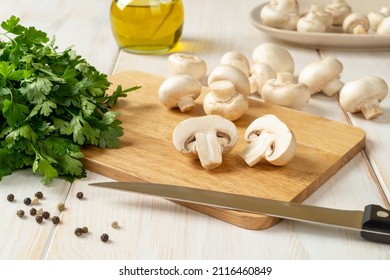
[147, 26]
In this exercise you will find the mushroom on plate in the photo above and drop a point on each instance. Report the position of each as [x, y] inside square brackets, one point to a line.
[232, 74]
[284, 92]
[384, 27]
[186, 64]
[364, 94]
[316, 20]
[356, 23]
[238, 60]
[322, 75]
[339, 10]
[180, 91]
[208, 137]
[225, 101]
[270, 139]
[276, 56]
[282, 14]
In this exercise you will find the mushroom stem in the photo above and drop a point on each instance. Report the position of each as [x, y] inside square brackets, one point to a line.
[284, 78]
[359, 29]
[208, 149]
[371, 109]
[259, 147]
[186, 103]
[332, 87]
[223, 91]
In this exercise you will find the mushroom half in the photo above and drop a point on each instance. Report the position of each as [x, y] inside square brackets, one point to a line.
[208, 137]
[269, 138]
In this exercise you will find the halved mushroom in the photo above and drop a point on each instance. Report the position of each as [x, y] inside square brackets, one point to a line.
[232, 74]
[269, 139]
[180, 91]
[208, 137]
[364, 94]
[322, 74]
[186, 64]
[225, 101]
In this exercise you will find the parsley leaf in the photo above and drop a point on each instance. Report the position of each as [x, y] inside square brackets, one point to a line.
[51, 104]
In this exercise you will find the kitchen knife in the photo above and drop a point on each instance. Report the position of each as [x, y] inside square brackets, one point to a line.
[373, 223]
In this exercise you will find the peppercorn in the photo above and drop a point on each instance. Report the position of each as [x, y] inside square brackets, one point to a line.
[46, 215]
[79, 195]
[114, 224]
[78, 231]
[104, 237]
[85, 230]
[10, 197]
[27, 201]
[39, 195]
[39, 219]
[35, 201]
[33, 211]
[55, 220]
[20, 213]
[61, 206]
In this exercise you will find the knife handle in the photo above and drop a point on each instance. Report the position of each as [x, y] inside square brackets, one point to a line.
[376, 219]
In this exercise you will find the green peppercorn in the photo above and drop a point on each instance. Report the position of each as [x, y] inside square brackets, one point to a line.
[27, 201]
[85, 230]
[55, 220]
[61, 206]
[20, 213]
[39, 219]
[46, 215]
[33, 211]
[78, 231]
[39, 195]
[79, 195]
[104, 237]
[10, 197]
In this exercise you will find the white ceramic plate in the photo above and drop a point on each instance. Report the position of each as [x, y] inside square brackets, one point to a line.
[332, 39]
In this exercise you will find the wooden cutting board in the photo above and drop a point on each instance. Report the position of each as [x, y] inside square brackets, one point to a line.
[147, 153]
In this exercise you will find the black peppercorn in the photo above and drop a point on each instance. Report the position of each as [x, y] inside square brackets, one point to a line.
[55, 220]
[33, 211]
[85, 230]
[27, 201]
[79, 195]
[78, 231]
[104, 237]
[39, 195]
[39, 219]
[10, 197]
[20, 213]
[46, 215]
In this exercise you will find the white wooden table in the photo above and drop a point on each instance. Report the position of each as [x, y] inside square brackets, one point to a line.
[153, 228]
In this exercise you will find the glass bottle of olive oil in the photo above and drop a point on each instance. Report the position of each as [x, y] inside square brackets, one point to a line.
[147, 26]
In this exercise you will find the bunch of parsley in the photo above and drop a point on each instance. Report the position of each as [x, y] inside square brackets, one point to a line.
[52, 103]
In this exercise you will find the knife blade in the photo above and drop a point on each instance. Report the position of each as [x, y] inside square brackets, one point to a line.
[373, 222]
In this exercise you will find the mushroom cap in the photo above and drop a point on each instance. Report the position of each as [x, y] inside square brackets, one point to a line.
[286, 94]
[355, 19]
[177, 87]
[339, 9]
[384, 26]
[359, 91]
[275, 56]
[186, 64]
[225, 130]
[318, 73]
[262, 72]
[282, 14]
[375, 18]
[231, 108]
[232, 74]
[321, 14]
[311, 23]
[237, 59]
[284, 147]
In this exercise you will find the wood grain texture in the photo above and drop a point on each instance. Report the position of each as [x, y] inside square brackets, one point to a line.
[147, 152]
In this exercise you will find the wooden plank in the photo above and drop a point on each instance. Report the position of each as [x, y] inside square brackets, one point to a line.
[147, 152]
